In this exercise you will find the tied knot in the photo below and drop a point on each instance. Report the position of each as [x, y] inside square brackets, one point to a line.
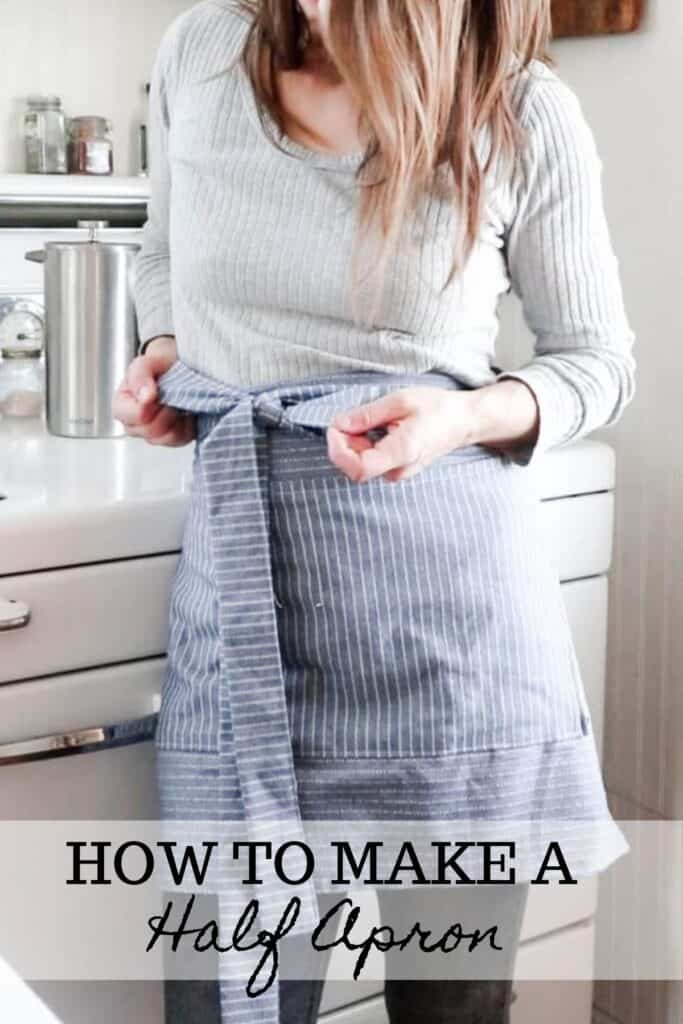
[268, 410]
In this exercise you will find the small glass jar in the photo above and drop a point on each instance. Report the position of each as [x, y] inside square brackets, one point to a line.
[44, 129]
[22, 385]
[22, 367]
[91, 149]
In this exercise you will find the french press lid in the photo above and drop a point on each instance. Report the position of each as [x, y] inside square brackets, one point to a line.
[92, 226]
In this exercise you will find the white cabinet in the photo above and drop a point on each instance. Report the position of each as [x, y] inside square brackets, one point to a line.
[580, 530]
[105, 779]
[77, 700]
[88, 615]
[108, 779]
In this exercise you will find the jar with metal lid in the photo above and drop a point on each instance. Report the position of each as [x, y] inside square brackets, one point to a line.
[22, 368]
[44, 129]
[91, 149]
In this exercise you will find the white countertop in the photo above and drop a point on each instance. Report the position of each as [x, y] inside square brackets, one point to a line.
[71, 501]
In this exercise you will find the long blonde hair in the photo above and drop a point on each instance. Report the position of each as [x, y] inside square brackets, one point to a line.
[446, 73]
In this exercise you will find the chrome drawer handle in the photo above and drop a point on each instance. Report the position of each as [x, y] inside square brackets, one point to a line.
[93, 739]
[13, 614]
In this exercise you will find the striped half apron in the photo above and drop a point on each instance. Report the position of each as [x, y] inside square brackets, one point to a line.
[394, 651]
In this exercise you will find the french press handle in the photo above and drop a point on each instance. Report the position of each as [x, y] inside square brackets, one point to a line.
[93, 226]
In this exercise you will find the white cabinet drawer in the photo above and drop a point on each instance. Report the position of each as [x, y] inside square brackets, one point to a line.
[87, 777]
[80, 700]
[116, 784]
[91, 615]
[579, 533]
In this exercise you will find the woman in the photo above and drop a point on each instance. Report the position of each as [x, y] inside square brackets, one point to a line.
[364, 623]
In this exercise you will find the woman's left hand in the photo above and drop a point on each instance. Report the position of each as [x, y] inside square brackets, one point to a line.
[423, 423]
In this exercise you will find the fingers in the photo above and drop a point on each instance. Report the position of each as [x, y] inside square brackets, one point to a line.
[389, 457]
[136, 402]
[154, 423]
[164, 422]
[131, 411]
[126, 408]
[418, 423]
[392, 406]
[141, 377]
[361, 460]
[344, 451]
[401, 448]
[181, 432]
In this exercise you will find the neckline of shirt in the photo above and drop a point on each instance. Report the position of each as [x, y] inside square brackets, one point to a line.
[319, 158]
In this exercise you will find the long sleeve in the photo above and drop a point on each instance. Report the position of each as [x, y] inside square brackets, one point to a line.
[563, 268]
[152, 287]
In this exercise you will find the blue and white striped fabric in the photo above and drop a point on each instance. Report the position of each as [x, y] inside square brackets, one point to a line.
[361, 651]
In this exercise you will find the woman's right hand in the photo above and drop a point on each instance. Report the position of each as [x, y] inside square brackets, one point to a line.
[135, 401]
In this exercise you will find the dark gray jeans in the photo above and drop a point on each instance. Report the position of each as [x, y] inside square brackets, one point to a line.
[477, 990]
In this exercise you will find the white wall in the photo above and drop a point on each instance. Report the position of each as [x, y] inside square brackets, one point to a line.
[631, 88]
[95, 54]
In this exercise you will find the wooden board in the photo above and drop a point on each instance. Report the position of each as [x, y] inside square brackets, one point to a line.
[595, 17]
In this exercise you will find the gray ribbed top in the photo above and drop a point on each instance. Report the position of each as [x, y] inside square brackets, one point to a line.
[246, 251]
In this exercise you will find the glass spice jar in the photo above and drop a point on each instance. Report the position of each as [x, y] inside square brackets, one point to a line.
[91, 149]
[22, 385]
[44, 129]
[22, 366]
